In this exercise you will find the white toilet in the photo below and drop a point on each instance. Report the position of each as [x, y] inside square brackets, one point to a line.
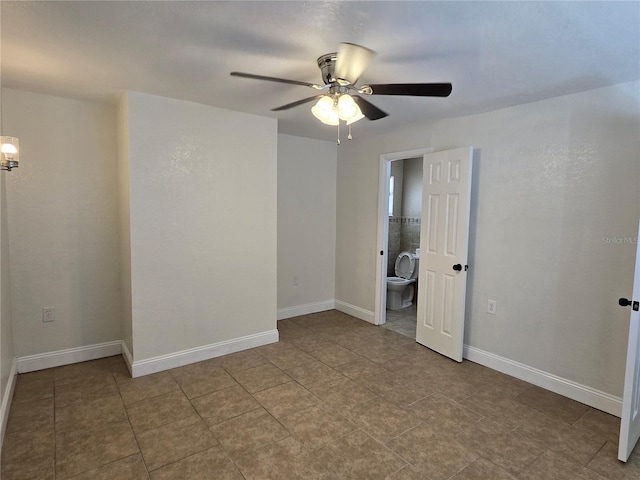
[400, 289]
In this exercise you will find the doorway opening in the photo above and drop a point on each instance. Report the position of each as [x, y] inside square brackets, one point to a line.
[399, 224]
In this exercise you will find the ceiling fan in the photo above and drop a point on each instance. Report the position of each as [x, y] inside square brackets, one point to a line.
[340, 73]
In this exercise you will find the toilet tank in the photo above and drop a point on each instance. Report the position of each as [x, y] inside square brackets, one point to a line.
[417, 268]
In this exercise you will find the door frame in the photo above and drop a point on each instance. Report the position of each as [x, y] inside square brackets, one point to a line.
[380, 313]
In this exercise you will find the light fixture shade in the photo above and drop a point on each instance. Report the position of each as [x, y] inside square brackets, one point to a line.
[326, 111]
[348, 108]
[9, 152]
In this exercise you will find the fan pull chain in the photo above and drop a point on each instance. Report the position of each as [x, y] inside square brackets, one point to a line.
[349, 137]
[338, 132]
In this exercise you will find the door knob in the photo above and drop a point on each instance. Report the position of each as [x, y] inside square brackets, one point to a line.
[457, 267]
[625, 302]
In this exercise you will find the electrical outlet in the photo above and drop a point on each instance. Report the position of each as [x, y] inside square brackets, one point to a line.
[48, 314]
[295, 280]
[491, 307]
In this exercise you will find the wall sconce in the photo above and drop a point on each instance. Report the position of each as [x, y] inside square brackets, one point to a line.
[9, 153]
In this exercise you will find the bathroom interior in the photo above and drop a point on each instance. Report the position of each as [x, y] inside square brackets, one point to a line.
[403, 253]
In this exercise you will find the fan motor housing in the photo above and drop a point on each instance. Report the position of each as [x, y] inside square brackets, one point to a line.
[327, 65]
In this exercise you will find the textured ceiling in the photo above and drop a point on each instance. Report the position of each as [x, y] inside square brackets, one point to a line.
[496, 54]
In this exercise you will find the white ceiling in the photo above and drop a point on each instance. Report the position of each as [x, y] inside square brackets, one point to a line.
[495, 54]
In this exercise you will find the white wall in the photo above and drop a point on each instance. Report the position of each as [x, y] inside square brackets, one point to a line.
[62, 214]
[412, 187]
[124, 218]
[203, 224]
[397, 172]
[306, 221]
[6, 330]
[551, 180]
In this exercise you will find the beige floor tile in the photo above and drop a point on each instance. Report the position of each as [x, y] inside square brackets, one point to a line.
[93, 413]
[334, 355]
[500, 408]
[94, 371]
[174, 441]
[195, 371]
[288, 357]
[157, 411]
[77, 394]
[225, 404]
[312, 373]
[31, 468]
[317, 426]
[136, 389]
[552, 404]
[439, 456]
[442, 414]
[564, 439]
[343, 395]
[550, 466]
[30, 416]
[502, 446]
[291, 330]
[606, 463]
[129, 468]
[382, 420]
[261, 377]
[357, 456]
[251, 430]
[310, 343]
[408, 473]
[483, 469]
[600, 423]
[28, 455]
[455, 387]
[360, 368]
[210, 464]
[81, 450]
[242, 360]
[285, 459]
[29, 388]
[286, 399]
[207, 385]
[395, 388]
[203, 377]
[379, 353]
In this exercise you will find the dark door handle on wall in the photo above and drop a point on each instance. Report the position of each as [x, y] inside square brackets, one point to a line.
[625, 302]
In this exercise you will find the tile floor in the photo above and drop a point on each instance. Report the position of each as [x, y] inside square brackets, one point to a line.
[336, 398]
[402, 321]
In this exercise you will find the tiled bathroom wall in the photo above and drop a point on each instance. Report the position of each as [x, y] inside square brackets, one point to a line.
[404, 234]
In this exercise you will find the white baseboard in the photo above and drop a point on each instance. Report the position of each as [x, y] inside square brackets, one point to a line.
[361, 313]
[192, 355]
[289, 312]
[7, 396]
[581, 393]
[31, 363]
[128, 357]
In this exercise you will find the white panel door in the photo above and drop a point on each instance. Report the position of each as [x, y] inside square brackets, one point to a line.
[630, 422]
[442, 278]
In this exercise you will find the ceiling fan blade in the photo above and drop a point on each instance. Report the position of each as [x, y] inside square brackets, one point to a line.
[368, 109]
[275, 79]
[295, 104]
[410, 89]
[351, 61]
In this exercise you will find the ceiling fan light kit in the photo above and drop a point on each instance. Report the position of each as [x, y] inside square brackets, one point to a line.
[340, 72]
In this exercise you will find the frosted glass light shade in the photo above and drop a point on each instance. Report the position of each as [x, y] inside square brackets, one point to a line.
[326, 111]
[330, 112]
[348, 108]
[9, 152]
